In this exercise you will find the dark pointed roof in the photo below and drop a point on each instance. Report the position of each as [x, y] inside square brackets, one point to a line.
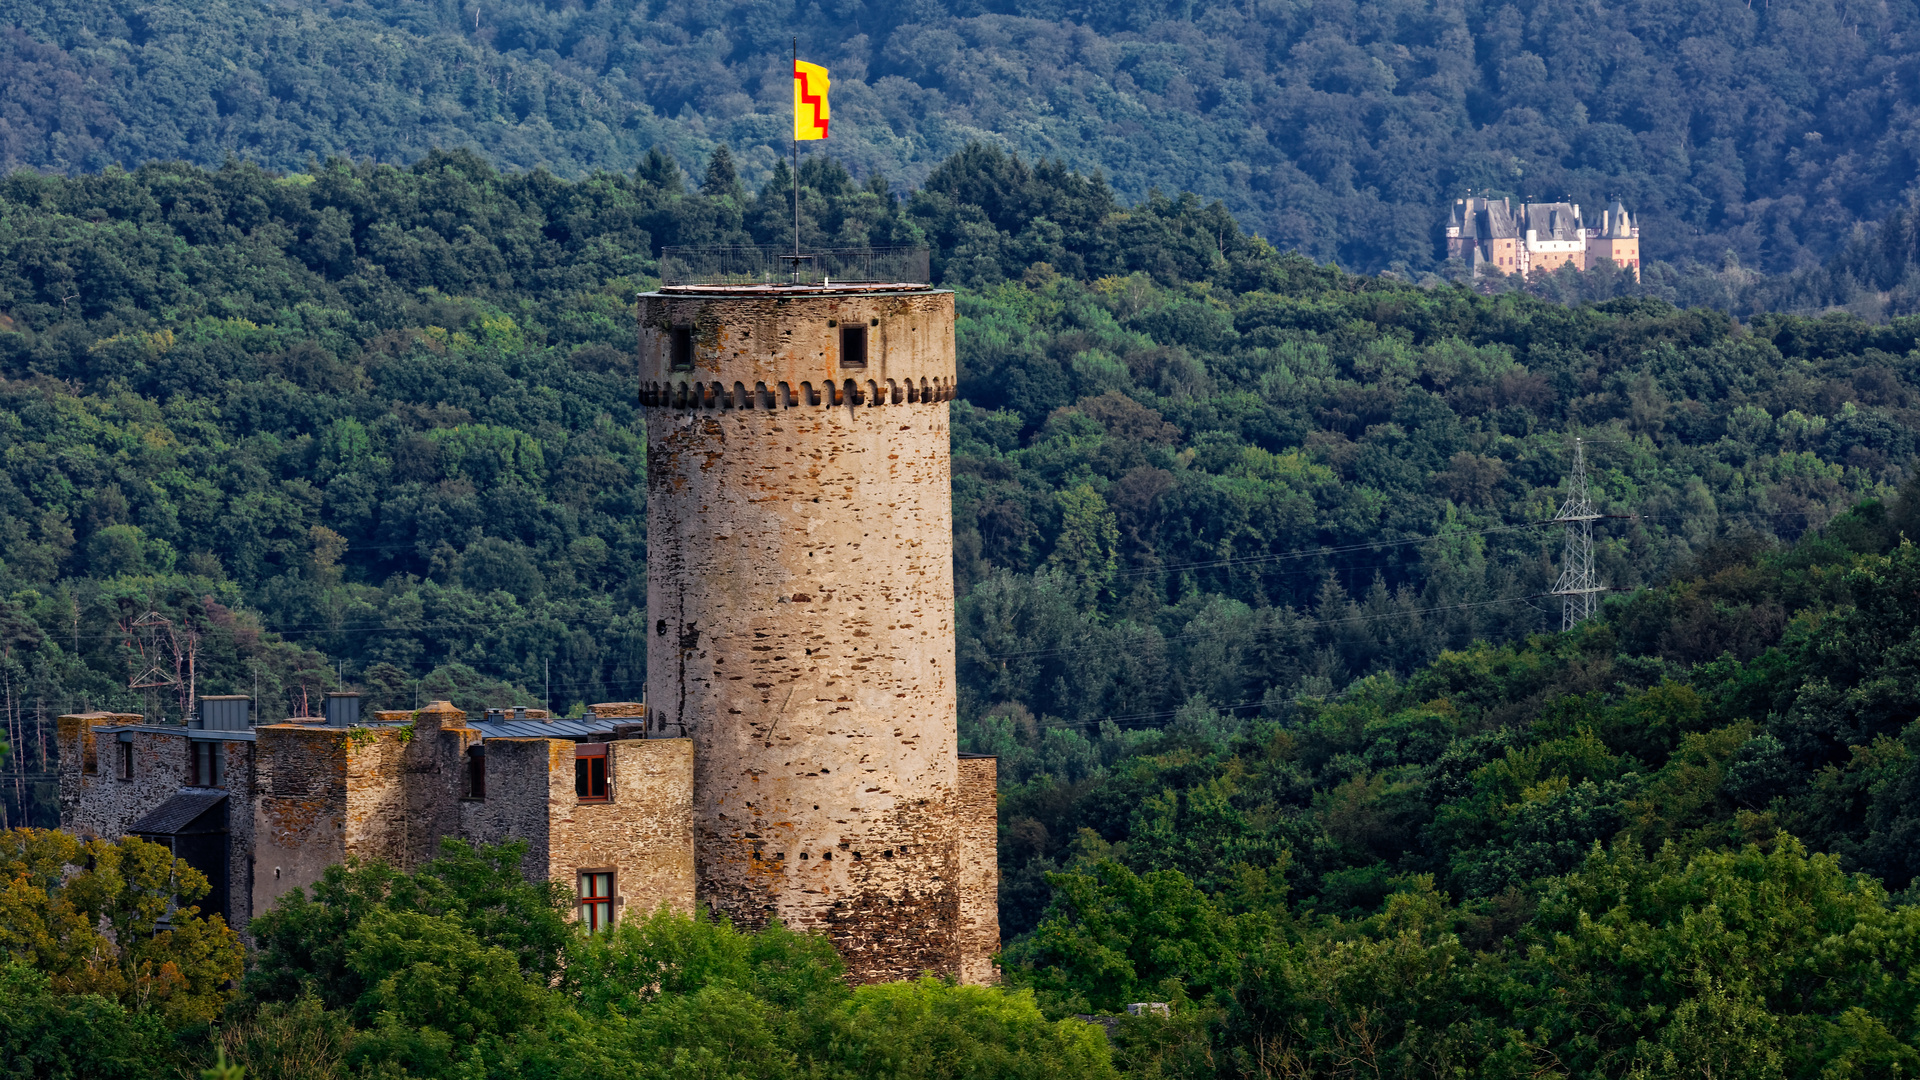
[179, 812]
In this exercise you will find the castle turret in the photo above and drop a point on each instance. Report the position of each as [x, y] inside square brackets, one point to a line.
[1618, 239]
[801, 613]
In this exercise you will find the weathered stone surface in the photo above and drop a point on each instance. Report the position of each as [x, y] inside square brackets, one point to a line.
[94, 800]
[977, 820]
[643, 831]
[800, 590]
[435, 762]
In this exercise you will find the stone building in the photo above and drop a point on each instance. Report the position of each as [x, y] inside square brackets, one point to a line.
[1617, 238]
[1495, 234]
[798, 759]
[263, 809]
[800, 590]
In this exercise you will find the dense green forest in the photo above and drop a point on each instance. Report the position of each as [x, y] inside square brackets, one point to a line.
[1762, 131]
[1582, 855]
[377, 425]
[1252, 572]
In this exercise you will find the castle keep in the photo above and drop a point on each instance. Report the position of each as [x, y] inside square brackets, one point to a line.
[1496, 234]
[800, 592]
[797, 759]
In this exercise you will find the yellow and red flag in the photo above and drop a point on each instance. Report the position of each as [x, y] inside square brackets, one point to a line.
[809, 100]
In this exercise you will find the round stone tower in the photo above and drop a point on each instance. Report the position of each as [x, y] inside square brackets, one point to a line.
[800, 602]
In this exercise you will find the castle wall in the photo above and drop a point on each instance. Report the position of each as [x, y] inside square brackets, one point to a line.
[977, 850]
[300, 809]
[94, 801]
[643, 832]
[435, 762]
[237, 778]
[528, 781]
[801, 594]
[376, 809]
[1623, 251]
[323, 794]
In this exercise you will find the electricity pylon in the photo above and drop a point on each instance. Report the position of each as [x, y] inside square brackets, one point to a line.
[1578, 590]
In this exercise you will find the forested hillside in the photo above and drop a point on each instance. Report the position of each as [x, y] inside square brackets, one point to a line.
[1767, 131]
[378, 425]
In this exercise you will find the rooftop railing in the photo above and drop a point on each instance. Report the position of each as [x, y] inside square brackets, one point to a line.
[753, 265]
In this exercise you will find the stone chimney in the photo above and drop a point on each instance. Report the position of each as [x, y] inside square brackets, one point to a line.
[439, 715]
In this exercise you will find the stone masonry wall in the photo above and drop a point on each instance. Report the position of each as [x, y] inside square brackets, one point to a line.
[800, 593]
[522, 792]
[435, 763]
[377, 823]
[300, 807]
[643, 832]
[978, 855]
[323, 794]
[100, 804]
[238, 778]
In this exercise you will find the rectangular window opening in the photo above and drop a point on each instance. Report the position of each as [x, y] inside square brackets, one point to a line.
[596, 898]
[853, 347]
[590, 772]
[206, 767]
[682, 337]
[477, 773]
[126, 761]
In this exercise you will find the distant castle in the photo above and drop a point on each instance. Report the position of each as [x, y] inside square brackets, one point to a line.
[1485, 233]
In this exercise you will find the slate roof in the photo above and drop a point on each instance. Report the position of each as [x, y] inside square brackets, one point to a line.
[585, 727]
[1553, 221]
[178, 812]
[1497, 222]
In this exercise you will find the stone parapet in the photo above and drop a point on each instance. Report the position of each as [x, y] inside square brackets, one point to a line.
[777, 352]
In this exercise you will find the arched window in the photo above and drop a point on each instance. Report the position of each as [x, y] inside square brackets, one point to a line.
[806, 394]
[873, 393]
[679, 395]
[762, 395]
[740, 398]
[893, 392]
[786, 395]
[849, 393]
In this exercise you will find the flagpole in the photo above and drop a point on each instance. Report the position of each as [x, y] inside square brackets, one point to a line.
[796, 170]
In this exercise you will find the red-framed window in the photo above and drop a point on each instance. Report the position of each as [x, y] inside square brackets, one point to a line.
[596, 899]
[590, 772]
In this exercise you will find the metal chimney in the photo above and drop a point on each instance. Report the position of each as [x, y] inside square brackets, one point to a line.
[225, 712]
[343, 709]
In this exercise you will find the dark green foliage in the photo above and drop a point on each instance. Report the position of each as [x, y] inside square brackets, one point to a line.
[1764, 133]
[1111, 938]
[499, 928]
[1753, 962]
[1495, 768]
[377, 425]
[79, 1037]
[457, 971]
